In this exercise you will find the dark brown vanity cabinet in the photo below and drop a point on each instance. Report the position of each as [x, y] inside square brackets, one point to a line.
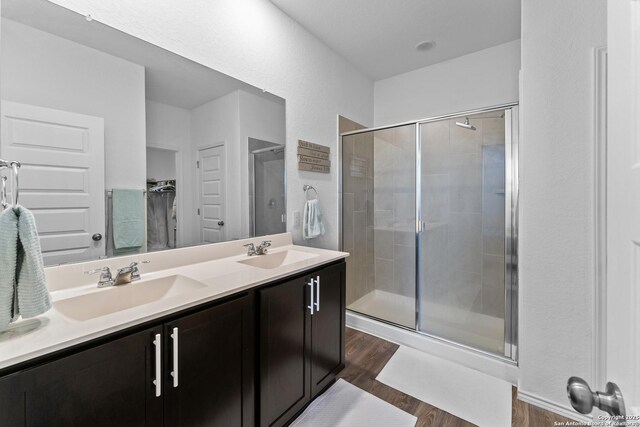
[195, 368]
[301, 341]
[214, 385]
[106, 385]
[115, 384]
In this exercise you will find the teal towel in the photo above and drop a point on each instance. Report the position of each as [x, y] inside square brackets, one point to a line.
[128, 218]
[23, 287]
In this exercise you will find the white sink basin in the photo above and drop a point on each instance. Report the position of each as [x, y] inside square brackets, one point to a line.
[118, 298]
[277, 259]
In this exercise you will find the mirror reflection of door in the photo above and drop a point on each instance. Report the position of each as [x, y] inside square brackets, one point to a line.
[211, 172]
[61, 178]
[266, 192]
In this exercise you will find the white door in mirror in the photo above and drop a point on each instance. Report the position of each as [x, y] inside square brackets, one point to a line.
[211, 174]
[61, 179]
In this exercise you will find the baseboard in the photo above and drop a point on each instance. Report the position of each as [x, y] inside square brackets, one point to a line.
[550, 406]
[490, 365]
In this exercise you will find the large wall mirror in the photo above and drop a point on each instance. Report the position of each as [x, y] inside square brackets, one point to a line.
[127, 147]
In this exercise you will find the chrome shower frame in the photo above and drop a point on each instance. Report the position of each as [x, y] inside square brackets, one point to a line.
[511, 224]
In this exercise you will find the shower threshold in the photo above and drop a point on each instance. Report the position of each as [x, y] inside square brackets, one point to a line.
[477, 330]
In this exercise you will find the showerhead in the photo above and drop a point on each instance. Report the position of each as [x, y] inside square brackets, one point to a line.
[466, 124]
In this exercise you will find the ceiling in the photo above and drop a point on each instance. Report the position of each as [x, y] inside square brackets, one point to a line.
[169, 78]
[379, 36]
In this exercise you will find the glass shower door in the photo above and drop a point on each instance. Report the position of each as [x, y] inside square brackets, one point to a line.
[378, 214]
[461, 265]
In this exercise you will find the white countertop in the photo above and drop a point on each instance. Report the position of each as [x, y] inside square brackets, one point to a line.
[223, 275]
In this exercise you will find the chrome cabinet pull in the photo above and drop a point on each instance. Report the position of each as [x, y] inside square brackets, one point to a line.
[174, 373]
[311, 304]
[158, 380]
[317, 293]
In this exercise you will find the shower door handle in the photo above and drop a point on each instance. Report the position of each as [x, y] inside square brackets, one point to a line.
[220, 223]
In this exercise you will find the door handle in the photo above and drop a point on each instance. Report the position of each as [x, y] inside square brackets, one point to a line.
[311, 305]
[174, 372]
[96, 237]
[221, 223]
[157, 343]
[584, 400]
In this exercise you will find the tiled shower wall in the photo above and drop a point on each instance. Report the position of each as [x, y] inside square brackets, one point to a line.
[357, 212]
[394, 192]
[463, 201]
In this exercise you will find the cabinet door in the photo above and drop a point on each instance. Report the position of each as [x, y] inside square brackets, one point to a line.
[12, 406]
[108, 385]
[215, 367]
[327, 327]
[284, 360]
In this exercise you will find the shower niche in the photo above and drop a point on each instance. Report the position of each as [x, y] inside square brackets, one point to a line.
[429, 222]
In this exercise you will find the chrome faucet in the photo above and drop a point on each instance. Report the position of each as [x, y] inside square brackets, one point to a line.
[125, 275]
[261, 249]
[128, 274]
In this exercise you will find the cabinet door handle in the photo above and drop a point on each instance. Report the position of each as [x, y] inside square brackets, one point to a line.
[174, 373]
[157, 343]
[317, 293]
[311, 303]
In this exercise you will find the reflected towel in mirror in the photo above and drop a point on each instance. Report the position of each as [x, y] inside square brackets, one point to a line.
[128, 218]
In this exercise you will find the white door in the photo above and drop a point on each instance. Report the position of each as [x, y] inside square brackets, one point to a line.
[623, 200]
[61, 178]
[212, 173]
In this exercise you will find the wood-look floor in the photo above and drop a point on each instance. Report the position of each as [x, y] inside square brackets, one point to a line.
[366, 355]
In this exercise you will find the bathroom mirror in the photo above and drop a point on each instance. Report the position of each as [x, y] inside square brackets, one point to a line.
[127, 147]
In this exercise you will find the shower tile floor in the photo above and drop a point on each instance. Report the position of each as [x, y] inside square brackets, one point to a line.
[388, 306]
[476, 330]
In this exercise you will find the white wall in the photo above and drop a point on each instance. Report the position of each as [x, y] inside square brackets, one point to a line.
[254, 41]
[556, 194]
[481, 79]
[213, 123]
[161, 164]
[261, 119]
[49, 71]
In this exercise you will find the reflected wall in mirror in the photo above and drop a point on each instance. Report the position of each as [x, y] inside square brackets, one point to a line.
[93, 113]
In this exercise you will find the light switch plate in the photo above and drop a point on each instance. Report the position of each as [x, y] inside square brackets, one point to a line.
[297, 219]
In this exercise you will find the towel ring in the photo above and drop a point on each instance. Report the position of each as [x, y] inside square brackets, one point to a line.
[3, 192]
[15, 188]
[306, 189]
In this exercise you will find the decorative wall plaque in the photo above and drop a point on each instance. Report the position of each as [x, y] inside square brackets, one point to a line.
[313, 157]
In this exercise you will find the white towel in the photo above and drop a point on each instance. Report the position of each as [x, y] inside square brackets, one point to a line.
[23, 289]
[312, 226]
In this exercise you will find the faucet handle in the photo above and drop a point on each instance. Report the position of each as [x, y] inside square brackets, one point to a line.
[105, 271]
[136, 263]
[106, 279]
[135, 273]
[262, 248]
[251, 249]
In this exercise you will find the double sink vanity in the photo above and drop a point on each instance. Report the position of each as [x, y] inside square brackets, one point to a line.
[207, 336]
